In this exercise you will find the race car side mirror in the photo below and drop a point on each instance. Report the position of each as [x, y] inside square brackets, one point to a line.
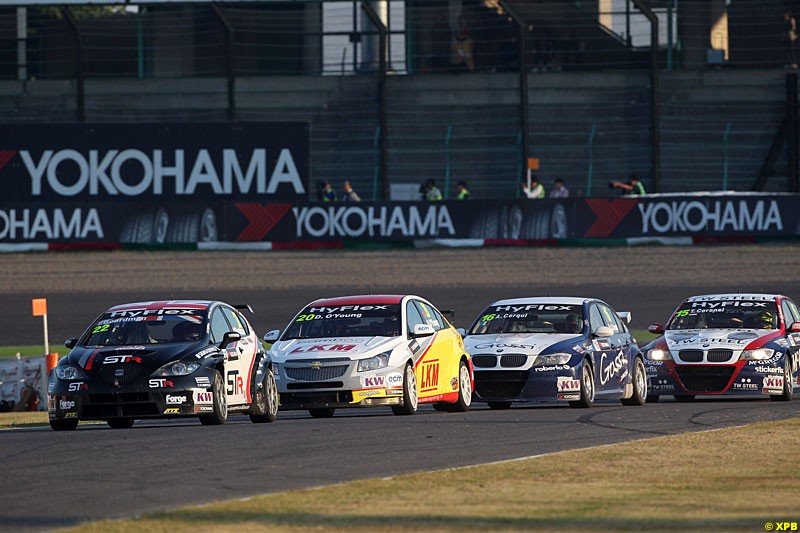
[461, 331]
[71, 343]
[272, 336]
[656, 328]
[230, 337]
[603, 331]
[422, 330]
[795, 327]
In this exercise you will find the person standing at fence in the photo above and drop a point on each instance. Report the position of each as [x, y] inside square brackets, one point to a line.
[432, 192]
[349, 194]
[559, 190]
[535, 191]
[463, 192]
[327, 194]
[791, 38]
[463, 45]
[634, 187]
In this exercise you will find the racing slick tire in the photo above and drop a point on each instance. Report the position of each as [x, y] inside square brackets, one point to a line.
[220, 410]
[788, 387]
[639, 396]
[464, 390]
[322, 412]
[410, 394]
[120, 423]
[684, 397]
[587, 387]
[499, 405]
[265, 404]
[64, 425]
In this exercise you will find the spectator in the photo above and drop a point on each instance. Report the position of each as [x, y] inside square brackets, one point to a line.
[559, 190]
[463, 192]
[791, 39]
[432, 192]
[349, 194]
[634, 187]
[463, 45]
[327, 194]
[536, 190]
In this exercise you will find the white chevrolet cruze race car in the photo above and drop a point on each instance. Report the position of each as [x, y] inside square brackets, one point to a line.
[363, 351]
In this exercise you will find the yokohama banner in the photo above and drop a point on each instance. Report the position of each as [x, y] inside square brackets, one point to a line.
[154, 220]
[62, 163]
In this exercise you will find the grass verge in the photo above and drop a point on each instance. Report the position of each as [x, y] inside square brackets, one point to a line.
[23, 419]
[23, 351]
[734, 479]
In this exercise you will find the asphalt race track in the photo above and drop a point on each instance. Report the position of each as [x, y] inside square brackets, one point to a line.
[53, 479]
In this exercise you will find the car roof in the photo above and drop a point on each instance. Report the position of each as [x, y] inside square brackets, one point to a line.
[364, 299]
[734, 296]
[559, 300]
[161, 304]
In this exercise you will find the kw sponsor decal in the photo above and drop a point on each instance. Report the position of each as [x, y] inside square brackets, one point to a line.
[567, 384]
[373, 381]
[202, 397]
[609, 214]
[720, 215]
[773, 383]
[429, 375]
[261, 219]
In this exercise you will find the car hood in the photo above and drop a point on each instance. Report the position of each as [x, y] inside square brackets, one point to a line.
[350, 347]
[149, 358]
[713, 339]
[528, 344]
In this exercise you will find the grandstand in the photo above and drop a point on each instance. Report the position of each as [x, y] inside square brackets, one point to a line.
[721, 69]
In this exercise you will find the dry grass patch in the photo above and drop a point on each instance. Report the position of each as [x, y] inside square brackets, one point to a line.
[732, 479]
[23, 419]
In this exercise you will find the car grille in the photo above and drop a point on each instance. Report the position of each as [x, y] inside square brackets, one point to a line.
[315, 399]
[500, 384]
[719, 356]
[712, 356]
[316, 385]
[326, 360]
[705, 378]
[484, 361]
[130, 373]
[513, 361]
[124, 404]
[322, 373]
[691, 356]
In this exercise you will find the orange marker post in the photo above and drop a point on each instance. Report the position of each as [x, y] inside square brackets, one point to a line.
[533, 164]
[40, 309]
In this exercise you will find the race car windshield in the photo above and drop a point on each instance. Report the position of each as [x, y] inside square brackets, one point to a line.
[534, 318]
[346, 321]
[725, 314]
[139, 330]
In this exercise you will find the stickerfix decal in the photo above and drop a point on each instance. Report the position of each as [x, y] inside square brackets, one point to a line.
[767, 370]
[567, 384]
[429, 375]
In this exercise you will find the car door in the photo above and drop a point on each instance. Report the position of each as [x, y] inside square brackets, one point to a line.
[601, 346]
[791, 314]
[233, 378]
[246, 347]
[615, 366]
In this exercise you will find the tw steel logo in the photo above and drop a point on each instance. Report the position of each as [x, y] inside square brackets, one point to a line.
[122, 359]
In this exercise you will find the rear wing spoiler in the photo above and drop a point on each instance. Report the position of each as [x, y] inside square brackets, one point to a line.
[244, 307]
[625, 315]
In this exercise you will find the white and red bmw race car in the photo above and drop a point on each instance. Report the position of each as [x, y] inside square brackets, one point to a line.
[726, 344]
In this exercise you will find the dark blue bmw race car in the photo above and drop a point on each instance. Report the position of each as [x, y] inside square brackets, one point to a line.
[574, 350]
[162, 360]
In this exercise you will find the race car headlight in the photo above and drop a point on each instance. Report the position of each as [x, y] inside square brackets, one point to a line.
[374, 363]
[552, 359]
[758, 354]
[659, 355]
[178, 368]
[68, 373]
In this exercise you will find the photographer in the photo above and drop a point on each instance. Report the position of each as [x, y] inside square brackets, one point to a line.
[634, 187]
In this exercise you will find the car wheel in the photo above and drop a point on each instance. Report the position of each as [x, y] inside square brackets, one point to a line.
[410, 394]
[64, 425]
[684, 397]
[788, 388]
[587, 387]
[499, 405]
[464, 390]
[266, 401]
[322, 412]
[220, 411]
[120, 423]
[639, 396]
